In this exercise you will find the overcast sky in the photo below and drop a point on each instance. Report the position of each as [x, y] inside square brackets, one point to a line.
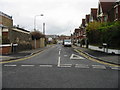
[60, 16]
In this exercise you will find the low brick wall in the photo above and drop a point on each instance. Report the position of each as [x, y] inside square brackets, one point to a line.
[39, 43]
[5, 49]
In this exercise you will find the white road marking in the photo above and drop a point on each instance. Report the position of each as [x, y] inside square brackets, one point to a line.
[73, 56]
[59, 52]
[27, 65]
[45, 65]
[115, 68]
[59, 49]
[58, 61]
[65, 55]
[64, 66]
[10, 65]
[99, 66]
[81, 66]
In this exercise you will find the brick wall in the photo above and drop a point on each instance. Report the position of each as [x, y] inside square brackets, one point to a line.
[23, 39]
[39, 43]
[6, 20]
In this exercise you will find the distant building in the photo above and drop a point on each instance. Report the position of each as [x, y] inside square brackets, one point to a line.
[78, 35]
[62, 37]
[5, 20]
[51, 39]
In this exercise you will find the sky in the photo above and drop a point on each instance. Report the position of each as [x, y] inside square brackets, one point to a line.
[61, 17]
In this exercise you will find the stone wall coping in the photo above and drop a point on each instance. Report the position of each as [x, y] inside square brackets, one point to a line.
[7, 45]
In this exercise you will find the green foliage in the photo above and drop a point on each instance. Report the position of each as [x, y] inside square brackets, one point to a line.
[37, 35]
[92, 32]
[108, 32]
[93, 26]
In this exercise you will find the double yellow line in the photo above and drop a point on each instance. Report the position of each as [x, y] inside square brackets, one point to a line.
[21, 59]
[25, 58]
[95, 60]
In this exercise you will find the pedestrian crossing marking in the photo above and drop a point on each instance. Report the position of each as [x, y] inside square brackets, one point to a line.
[99, 66]
[115, 68]
[45, 65]
[81, 66]
[73, 56]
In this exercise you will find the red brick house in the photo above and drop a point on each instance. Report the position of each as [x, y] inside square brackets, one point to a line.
[15, 36]
[93, 14]
[62, 37]
[105, 10]
[87, 19]
[78, 35]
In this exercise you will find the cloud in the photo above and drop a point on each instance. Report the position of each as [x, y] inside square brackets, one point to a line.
[60, 16]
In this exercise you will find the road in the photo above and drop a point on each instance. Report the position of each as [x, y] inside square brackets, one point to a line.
[58, 67]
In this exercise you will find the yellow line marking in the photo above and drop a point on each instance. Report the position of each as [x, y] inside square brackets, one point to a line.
[25, 58]
[21, 59]
[95, 60]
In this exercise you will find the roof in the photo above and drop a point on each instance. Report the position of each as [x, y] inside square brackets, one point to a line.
[87, 18]
[106, 5]
[77, 30]
[94, 13]
[20, 30]
[5, 15]
[108, 0]
[83, 22]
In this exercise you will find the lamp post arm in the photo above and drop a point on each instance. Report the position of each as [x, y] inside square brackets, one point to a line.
[35, 20]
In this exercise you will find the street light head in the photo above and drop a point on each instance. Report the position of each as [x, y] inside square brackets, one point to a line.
[41, 15]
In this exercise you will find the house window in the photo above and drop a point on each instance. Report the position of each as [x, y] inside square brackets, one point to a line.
[105, 18]
[116, 12]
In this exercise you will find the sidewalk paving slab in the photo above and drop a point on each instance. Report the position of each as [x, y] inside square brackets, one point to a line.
[102, 56]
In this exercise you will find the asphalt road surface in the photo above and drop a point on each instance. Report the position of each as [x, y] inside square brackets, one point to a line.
[58, 67]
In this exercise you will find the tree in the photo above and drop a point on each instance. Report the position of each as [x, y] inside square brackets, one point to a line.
[37, 35]
[93, 34]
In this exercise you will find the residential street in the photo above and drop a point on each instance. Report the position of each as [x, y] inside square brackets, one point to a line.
[58, 67]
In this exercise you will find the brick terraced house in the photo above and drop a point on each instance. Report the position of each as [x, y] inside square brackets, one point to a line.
[12, 38]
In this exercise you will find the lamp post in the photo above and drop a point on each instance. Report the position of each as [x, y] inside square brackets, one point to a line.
[35, 21]
[35, 26]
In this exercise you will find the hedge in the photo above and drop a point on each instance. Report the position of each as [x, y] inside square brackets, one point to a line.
[107, 32]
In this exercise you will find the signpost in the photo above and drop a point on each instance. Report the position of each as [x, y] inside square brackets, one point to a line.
[105, 46]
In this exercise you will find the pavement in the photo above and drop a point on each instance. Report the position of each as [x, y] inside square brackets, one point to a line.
[102, 56]
[21, 54]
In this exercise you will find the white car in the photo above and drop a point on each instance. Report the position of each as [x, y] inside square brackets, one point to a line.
[67, 42]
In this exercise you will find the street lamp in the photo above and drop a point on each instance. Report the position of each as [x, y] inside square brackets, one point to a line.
[35, 25]
[35, 21]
